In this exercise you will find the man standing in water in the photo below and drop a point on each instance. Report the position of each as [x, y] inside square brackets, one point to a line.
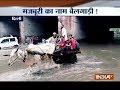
[64, 32]
[61, 29]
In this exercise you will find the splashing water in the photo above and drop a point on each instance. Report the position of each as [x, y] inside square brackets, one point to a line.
[83, 70]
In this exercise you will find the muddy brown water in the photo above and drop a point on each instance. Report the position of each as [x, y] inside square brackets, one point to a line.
[94, 59]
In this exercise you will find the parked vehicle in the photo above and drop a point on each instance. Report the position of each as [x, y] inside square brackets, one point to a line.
[8, 42]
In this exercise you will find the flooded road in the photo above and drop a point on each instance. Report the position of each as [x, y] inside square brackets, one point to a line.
[94, 59]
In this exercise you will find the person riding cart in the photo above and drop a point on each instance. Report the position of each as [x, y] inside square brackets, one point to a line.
[66, 53]
[53, 38]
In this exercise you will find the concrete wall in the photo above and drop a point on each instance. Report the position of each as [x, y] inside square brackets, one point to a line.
[7, 27]
[40, 26]
[78, 31]
[31, 27]
[72, 24]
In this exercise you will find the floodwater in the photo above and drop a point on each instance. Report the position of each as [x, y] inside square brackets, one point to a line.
[94, 59]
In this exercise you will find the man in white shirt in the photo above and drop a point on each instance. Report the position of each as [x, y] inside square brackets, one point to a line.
[64, 32]
[59, 26]
[53, 38]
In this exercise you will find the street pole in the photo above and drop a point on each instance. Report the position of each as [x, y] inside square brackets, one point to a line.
[22, 31]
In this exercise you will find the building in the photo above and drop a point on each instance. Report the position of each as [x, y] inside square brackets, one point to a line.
[42, 27]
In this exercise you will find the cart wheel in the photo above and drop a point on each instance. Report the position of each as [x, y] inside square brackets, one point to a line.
[73, 58]
[56, 59]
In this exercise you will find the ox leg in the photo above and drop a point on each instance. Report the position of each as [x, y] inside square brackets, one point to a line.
[9, 60]
[47, 61]
[29, 70]
[51, 63]
[50, 59]
[37, 61]
[12, 62]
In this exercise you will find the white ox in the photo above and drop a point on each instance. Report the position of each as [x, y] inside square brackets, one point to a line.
[44, 48]
[47, 48]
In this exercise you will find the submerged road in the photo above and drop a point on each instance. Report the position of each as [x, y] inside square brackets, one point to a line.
[93, 60]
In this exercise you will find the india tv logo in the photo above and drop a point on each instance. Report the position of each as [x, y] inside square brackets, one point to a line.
[104, 76]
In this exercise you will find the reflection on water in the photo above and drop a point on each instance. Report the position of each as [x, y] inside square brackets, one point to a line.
[93, 60]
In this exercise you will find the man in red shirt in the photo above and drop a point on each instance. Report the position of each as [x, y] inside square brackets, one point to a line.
[62, 43]
[72, 42]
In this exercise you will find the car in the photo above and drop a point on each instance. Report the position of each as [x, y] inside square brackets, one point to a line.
[8, 42]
